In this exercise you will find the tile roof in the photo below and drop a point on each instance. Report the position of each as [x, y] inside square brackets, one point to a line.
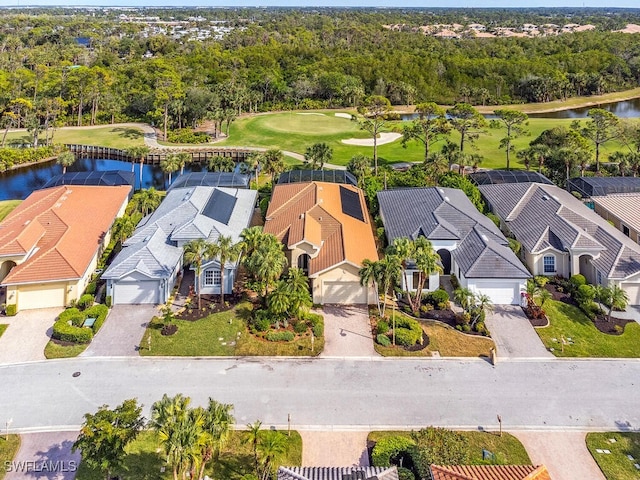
[447, 214]
[490, 472]
[624, 206]
[61, 228]
[152, 250]
[337, 473]
[545, 216]
[313, 212]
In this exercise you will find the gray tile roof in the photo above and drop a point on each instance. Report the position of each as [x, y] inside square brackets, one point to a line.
[544, 216]
[338, 473]
[152, 249]
[447, 214]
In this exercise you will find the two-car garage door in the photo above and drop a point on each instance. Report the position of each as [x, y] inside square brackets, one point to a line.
[633, 292]
[343, 292]
[136, 293]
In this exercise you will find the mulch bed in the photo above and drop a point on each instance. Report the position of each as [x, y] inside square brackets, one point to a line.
[208, 304]
[169, 330]
[417, 347]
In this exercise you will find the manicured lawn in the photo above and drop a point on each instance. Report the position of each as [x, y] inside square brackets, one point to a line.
[616, 465]
[220, 334]
[569, 322]
[447, 341]
[8, 449]
[507, 449]
[53, 350]
[107, 136]
[6, 206]
[144, 460]
[3, 327]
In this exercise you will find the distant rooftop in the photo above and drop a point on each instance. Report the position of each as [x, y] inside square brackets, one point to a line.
[211, 179]
[496, 177]
[600, 186]
[330, 176]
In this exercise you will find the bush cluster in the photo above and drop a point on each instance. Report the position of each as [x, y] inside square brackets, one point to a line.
[85, 301]
[439, 299]
[70, 333]
[68, 327]
[389, 448]
[408, 332]
[280, 336]
[382, 327]
[186, 135]
[383, 340]
[11, 309]
[10, 157]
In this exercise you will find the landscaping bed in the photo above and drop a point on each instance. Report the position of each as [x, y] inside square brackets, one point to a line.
[70, 337]
[618, 458]
[209, 304]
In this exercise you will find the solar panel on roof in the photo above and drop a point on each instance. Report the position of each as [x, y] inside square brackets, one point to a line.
[351, 206]
[220, 206]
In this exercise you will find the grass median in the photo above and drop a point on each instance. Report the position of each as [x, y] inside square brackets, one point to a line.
[624, 454]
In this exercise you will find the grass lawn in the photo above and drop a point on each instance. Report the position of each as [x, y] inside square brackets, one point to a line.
[144, 460]
[215, 336]
[616, 465]
[53, 350]
[3, 327]
[8, 449]
[6, 206]
[569, 321]
[507, 448]
[106, 136]
[447, 341]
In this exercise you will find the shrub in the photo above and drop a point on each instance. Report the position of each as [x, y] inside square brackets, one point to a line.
[107, 301]
[91, 288]
[262, 323]
[383, 340]
[318, 329]
[186, 135]
[437, 446]
[576, 281]
[585, 295]
[405, 474]
[427, 308]
[300, 326]
[69, 333]
[541, 280]
[264, 205]
[382, 327]
[407, 337]
[85, 301]
[618, 329]
[99, 312]
[482, 328]
[68, 314]
[389, 448]
[494, 218]
[11, 309]
[280, 336]
[463, 318]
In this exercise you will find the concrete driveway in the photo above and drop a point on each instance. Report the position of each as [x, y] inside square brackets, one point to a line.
[564, 453]
[27, 335]
[513, 334]
[45, 456]
[347, 332]
[122, 332]
[334, 449]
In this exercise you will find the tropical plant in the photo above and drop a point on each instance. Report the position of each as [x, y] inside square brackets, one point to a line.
[273, 163]
[145, 201]
[253, 436]
[619, 299]
[360, 167]
[169, 164]
[483, 304]
[218, 163]
[464, 297]
[66, 159]
[266, 263]
[374, 111]
[218, 424]
[196, 251]
[272, 446]
[123, 227]
[317, 155]
[430, 127]
[225, 251]
[426, 262]
[369, 276]
[138, 153]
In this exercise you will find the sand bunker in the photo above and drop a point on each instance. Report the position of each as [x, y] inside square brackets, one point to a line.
[343, 115]
[386, 137]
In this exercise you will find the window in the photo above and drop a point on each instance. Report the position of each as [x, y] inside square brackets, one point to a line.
[416, 280]
[625, 230]
[212, 278]
[599, 278]
[549, 264]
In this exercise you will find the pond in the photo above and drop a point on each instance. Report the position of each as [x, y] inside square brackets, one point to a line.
[19, 183]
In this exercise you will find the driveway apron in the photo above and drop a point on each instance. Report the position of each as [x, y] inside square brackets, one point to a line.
[334, 449]
[513, 334]
[122, 332]
[45, 456]
[347, 332]
[27, 335]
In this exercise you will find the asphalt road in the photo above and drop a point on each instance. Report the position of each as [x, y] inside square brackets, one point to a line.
[327, 394]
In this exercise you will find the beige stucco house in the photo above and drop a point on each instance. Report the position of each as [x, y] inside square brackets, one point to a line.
[51, 243]
[327, 232]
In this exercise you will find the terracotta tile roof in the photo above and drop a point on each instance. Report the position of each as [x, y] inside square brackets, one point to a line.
[313, 212]
[490, 472]
[62, 227]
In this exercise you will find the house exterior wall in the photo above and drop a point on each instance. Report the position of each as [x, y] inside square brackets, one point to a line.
[229, 279]
[617, 222]
[536, 263]
[434, 281]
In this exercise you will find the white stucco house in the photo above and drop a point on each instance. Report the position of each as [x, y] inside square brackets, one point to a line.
[469, 244]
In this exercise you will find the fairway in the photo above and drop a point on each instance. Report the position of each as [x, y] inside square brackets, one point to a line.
[106, 136]
[307, 123]
[6, 206]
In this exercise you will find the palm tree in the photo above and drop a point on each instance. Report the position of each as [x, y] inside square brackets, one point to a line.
[483, 304]
[317, 155]
[225, 251]
[619, 299]
[544, 296]
[426, 260]
[195, 253]
[218, 163]
[272, 445]
[140, 153]
[255, 161]
[297, 287]
[146, 200]
[253, 434]
[464, 297]
[389, 272]
[405, 249]
[218, 423]
[184, 158]
[251, 238]
[267, 263]
[278, 301]
[532, 290]
[66, 159]
[273, 161]
[123, 228]
[369, 275]
[170, 164]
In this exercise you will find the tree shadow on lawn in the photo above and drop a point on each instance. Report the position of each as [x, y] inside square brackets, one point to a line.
[234, 466]
[128, 132]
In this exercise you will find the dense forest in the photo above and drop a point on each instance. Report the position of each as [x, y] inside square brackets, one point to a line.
[76, 67]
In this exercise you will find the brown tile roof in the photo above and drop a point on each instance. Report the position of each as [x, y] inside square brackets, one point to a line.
[490, 472]
[313, 212]
[63, 227]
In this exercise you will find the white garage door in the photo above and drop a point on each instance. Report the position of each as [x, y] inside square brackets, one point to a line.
[43, 296]
[134, 293]
[633, 291]
[500, 294]
[344, 292]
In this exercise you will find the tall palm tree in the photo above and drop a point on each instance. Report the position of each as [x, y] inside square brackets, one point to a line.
[66, 159]
[297, 287]
[427, 262]
[225, 251]
[138, 153]
[218, 424]
[253, 436]
[267, 263]
[195, 253]
[272, 446]
[389, 272]
[146, 200]
[405, 249]
[251, 238]
[170, 164]
[273, 161]
[184, 158]
[369, 274]
[218, 163]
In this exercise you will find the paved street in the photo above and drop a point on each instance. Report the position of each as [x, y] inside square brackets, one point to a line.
[328, 393]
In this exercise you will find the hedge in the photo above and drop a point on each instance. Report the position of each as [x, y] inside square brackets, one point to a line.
[11, 309]
[99, 312]
[69, 333]
[280, 336]
[10, 157]
[75, 333]
[388, 448]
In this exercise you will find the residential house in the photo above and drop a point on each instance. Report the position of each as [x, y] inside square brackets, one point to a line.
[489, 472]
[51, 243]
[562, 236]
[469, 244]
[337, 473]
[147, 268]
[621, 210]
[327, 232]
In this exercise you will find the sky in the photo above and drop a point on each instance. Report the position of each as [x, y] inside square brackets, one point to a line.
[333, 3]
